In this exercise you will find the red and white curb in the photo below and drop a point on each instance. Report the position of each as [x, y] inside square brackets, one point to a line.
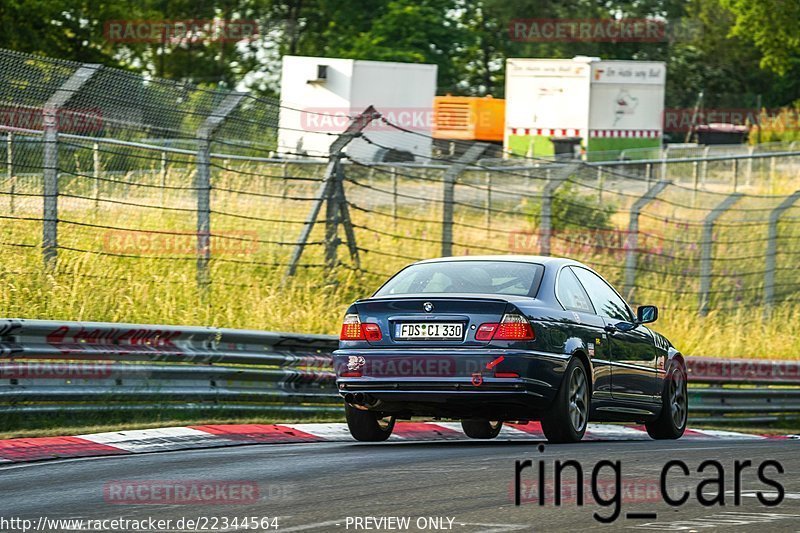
[215, 436]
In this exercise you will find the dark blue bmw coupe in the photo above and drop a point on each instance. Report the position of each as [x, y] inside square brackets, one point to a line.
[506, 338]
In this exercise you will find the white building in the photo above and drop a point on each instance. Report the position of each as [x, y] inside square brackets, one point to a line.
[610, 105]
[318, 95]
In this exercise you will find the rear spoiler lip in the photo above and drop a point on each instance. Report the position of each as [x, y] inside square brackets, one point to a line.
[508, 298]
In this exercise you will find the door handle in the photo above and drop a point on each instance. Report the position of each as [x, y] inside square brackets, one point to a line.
[610, 328]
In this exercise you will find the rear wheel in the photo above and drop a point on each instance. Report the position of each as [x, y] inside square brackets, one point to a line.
[568, 415]
[671, 423]
[481, 429]
[368, 426]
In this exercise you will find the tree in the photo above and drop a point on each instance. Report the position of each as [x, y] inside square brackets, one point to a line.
[773, 26]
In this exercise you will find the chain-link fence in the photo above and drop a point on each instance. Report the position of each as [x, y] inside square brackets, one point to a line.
[116, 186]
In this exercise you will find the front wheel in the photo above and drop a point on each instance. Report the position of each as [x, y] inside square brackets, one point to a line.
[566, 419]
[368, 426]
[671, 423]
[481, 429]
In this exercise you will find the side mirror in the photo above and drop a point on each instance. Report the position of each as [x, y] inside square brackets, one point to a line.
[646, 314]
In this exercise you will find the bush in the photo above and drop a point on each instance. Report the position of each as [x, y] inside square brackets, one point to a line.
[572, 209]
[782, 127]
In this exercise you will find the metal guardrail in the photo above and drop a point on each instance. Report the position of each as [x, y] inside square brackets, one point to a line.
[52, 366]
[743, 390]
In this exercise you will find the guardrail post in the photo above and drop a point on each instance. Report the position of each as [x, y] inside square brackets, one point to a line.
[707, 246]
[10, 170]
[331, 190]
[554, 181]
[448, 194]
[50, 111]
[203, 182]
[632, 240]
[772, 248]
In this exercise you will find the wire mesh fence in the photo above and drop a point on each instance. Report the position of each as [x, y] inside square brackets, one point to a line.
[116, 186]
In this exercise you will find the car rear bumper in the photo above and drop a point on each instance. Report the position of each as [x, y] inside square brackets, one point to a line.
[467, 388]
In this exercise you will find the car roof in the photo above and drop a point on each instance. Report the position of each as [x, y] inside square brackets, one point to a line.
[547, 261]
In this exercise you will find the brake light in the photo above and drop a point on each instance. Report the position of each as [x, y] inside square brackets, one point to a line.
[485, 332]
[354, 330]
[351, 329]
[372, 332]
[512, 327]
[506, 375]
[351, 374]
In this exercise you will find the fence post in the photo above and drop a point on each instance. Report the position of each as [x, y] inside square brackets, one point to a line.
[329, 191]
[554, 181]
[203, 182]
[735, 173]
[772, 248]
[448, 196]
[163, 177]
[10, 169]
[96, 173]
[600, 185]
[771, 173]
[707, 246]
[488, 210]
[750, 151]
[704, 176]
[394, 196]
[50, 165]
[632, 240]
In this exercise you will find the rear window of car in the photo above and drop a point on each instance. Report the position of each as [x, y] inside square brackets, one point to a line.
[472, 277]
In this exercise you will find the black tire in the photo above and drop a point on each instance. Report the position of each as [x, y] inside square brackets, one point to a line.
[481, 429]
[671, 423]
[568, 415]
[368, 426]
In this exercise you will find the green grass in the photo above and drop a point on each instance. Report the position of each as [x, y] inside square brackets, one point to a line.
[247, 291]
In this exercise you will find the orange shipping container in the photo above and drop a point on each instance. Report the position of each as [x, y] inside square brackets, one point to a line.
[468, 118]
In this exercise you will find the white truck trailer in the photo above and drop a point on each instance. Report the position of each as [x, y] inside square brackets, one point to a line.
[604, 107]
[319, 95]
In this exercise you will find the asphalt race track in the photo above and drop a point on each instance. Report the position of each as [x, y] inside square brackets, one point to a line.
[317, 486]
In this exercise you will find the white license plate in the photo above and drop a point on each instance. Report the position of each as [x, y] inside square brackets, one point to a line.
[429, 330]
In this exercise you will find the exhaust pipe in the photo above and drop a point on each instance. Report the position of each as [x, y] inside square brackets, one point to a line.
[348, 397]
[358, 398]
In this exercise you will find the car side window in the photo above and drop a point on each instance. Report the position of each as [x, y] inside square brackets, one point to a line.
[605, 300]
[570, 292]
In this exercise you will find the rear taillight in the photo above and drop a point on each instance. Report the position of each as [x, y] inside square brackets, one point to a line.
[512, 327]
[351, 329]
[354, 330]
